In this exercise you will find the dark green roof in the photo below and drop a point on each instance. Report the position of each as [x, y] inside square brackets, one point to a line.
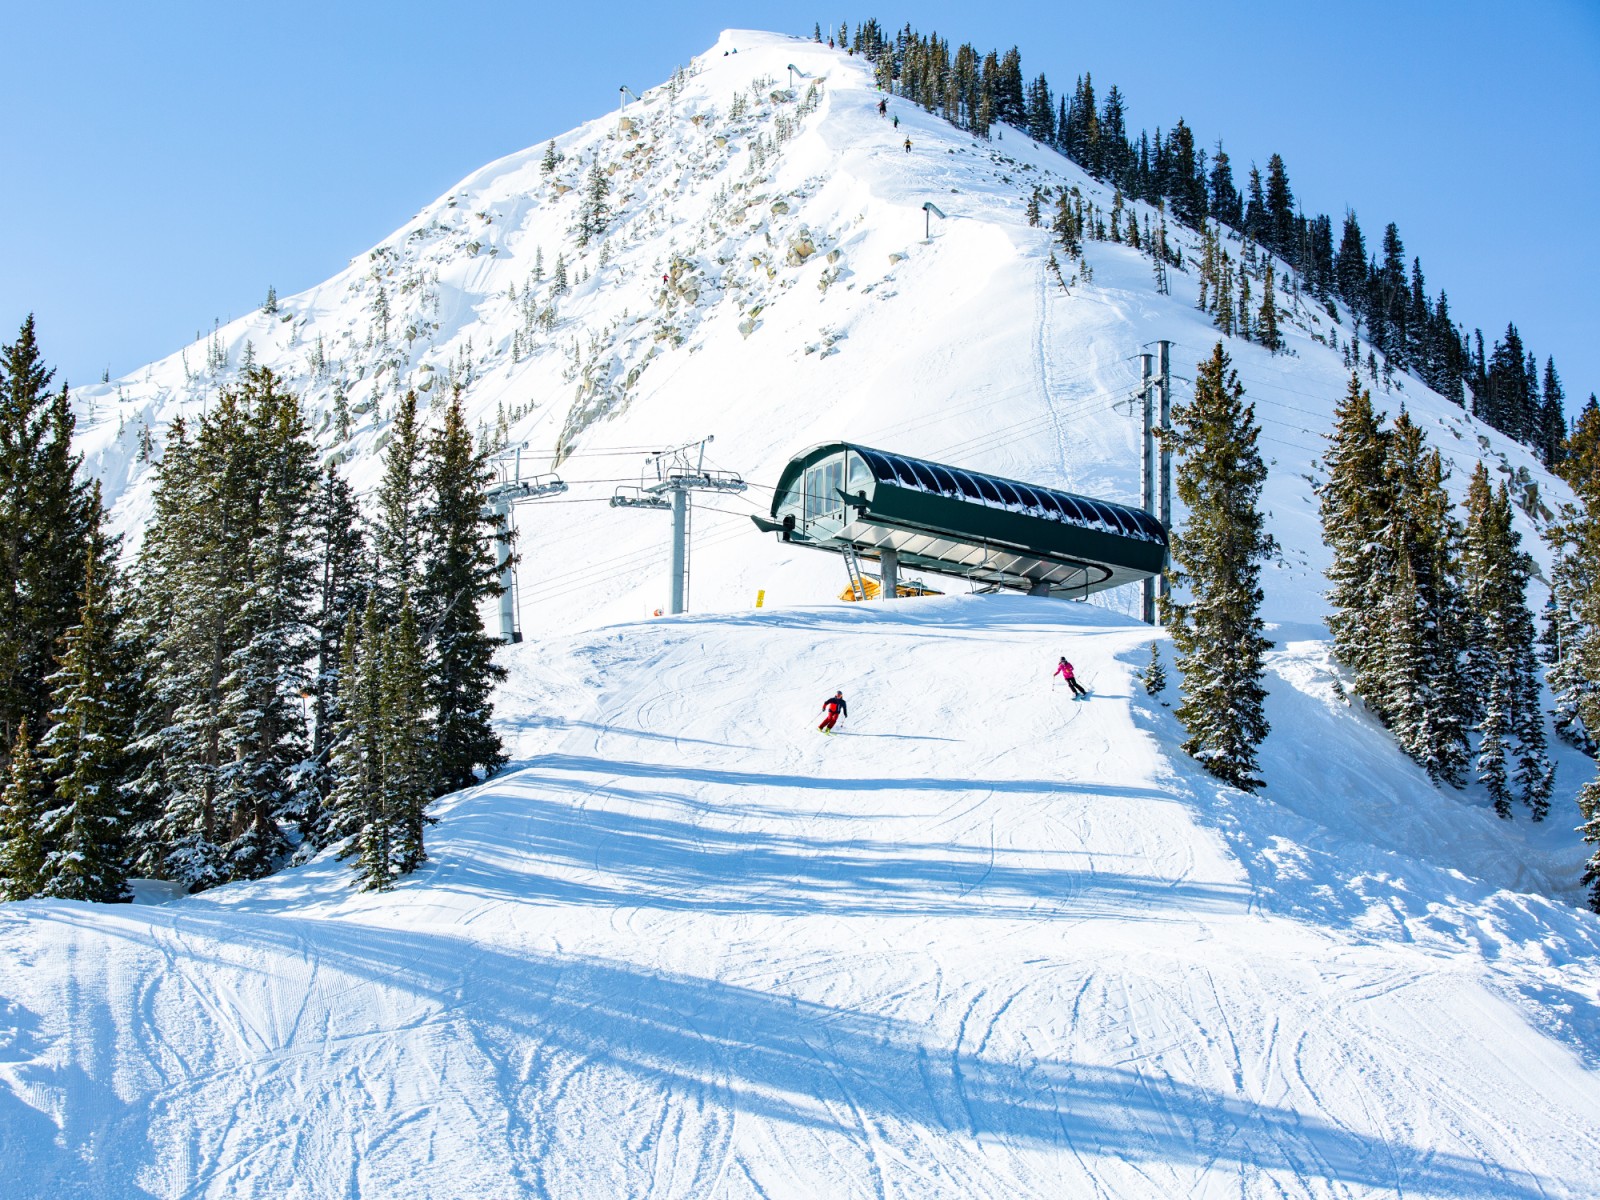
[961, 522]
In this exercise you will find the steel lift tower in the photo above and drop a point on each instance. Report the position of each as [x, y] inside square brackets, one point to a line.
[677, 472]
[503, 495]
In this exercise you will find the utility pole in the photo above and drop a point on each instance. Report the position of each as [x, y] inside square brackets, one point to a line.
[1164, 375]
[675, 478]
[500, 499]
[1148, 473]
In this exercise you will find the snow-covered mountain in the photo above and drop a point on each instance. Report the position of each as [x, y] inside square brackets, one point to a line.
[993, 943]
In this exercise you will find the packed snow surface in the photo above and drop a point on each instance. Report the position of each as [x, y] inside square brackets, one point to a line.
[988, 941]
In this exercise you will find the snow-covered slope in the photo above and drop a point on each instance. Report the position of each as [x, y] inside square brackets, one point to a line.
[992, 943]
[801, 303]
[988, 942]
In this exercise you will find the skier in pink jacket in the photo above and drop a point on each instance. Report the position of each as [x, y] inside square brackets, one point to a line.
[1066, 672]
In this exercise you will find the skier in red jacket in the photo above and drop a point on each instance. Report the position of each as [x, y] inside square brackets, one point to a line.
[834, 707]
[1066, 672]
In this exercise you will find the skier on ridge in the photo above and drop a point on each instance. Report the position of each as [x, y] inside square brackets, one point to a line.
[1066, 672]
[834, 706]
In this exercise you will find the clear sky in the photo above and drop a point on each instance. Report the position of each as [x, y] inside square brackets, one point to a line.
[164, 162]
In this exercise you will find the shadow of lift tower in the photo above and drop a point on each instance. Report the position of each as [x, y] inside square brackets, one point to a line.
[676, 473]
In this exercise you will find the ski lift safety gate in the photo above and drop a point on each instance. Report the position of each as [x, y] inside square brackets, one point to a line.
[991, 530]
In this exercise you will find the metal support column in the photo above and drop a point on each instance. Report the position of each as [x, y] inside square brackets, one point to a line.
[1148, 475]
[680, 547]
[508, 599]
[889, 572]
[1164, 374]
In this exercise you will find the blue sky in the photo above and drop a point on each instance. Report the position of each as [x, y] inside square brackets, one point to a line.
[164, 163]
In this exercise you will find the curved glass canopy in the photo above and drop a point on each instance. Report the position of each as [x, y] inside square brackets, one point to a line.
[954, 521]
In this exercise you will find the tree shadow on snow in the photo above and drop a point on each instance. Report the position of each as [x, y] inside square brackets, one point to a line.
[85, 1158]
[570, 843]
[699, 1041]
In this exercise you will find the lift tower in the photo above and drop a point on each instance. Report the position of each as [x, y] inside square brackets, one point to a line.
[669, 476]
[503, 495]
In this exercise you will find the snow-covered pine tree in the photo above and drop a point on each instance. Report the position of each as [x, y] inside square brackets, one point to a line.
[1353, 516]
[1501, 657]
[1418, 685]
[401, 501]
[405, 738]
[355, 806]
[1153, 675]
[551, 159]
[83, 757]
[344, 582]
[1267, 319]
[46, 512]
[377, 808]
[225, 584]
[271, 634]
[594, 214]
[459, 572]
[1574, 637]
[1569, 641]
[1572, 625]
[23, 804]
[1218, 556]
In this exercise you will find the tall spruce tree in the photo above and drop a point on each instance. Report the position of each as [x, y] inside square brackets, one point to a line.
[459, 573]
[343, 584]
[1512, 762]
[1420, 634]
[46, 515]
[405, 739]
[84, 755]
[1353, 510]
[226, 581]
[377, 808]
[23, 805]
[402, 500]
[1218, 553]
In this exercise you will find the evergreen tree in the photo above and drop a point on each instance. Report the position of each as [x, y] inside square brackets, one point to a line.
[402, 498]
[343, 585]
[46, 515]
[1219, 552]
[1552, 426]
[1154, 675]
[1501, 659]
[226, 581]
[594, 215]
[405, 736]
[1226, 204]
[460, 572]
[22, 814]
[1350, 266]
[84, 757]
[1267, 319]
[551, 159]
[1353, 509]
[1280, 228]
[1418, 687]
[355, 806]
[1572, 627]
